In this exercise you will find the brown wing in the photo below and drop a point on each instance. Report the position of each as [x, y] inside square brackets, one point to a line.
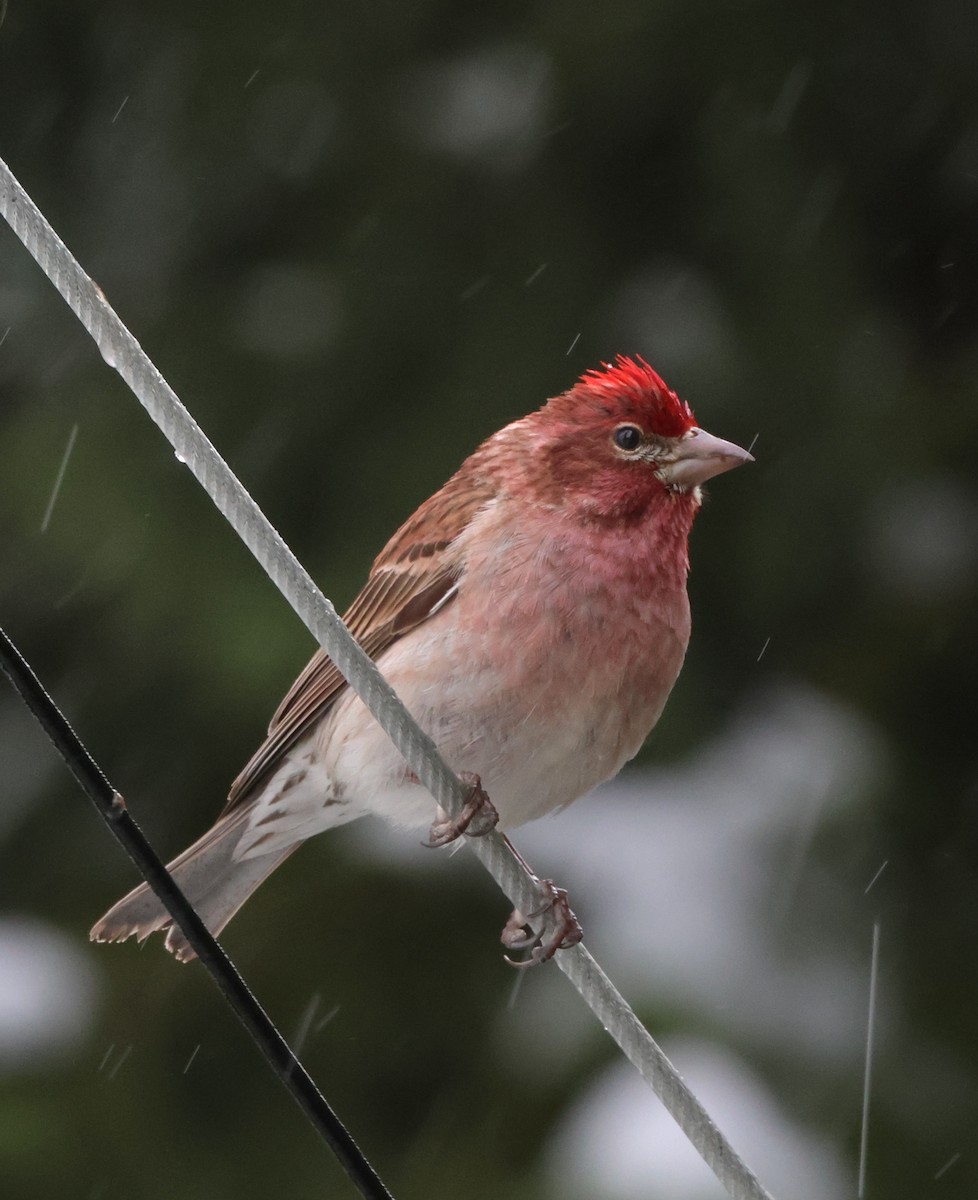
[416, 573]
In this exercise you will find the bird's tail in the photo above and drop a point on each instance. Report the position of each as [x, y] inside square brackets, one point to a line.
[211, 878]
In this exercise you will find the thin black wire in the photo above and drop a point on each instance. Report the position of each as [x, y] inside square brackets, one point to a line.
[236, 992]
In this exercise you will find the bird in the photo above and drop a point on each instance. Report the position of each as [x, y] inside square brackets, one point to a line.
[533, 616]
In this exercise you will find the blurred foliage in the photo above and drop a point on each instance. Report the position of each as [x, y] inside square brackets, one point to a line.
[357, 239]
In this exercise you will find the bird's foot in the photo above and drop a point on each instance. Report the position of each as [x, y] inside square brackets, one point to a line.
[549, 928]
[477, 818]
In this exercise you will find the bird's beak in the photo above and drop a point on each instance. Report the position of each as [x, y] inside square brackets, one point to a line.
[698, 457]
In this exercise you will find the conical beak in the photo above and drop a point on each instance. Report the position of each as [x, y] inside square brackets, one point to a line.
[700, 456]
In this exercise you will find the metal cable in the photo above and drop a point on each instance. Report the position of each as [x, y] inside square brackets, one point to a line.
[122, 352]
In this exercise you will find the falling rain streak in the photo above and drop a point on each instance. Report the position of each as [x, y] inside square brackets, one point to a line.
[883, 867]
[867, 1077]
[305, 1024]
[475, 288]
[948, 1165]
[118, 1062]
[59, 478]
[324, 1021]
[515, 990]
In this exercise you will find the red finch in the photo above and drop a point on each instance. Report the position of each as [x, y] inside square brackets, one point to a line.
[533, 617]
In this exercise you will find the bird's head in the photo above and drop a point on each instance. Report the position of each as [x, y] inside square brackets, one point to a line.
[620, 440]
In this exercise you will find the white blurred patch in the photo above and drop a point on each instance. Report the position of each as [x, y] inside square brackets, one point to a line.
[619, 1143]
[690, 875]
[923, 538]
[47, 993]
[289, 311]
[491, 105]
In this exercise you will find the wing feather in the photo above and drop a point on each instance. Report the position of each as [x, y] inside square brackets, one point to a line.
[415, 574]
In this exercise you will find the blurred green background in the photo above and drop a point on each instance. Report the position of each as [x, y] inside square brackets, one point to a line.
[357, 239]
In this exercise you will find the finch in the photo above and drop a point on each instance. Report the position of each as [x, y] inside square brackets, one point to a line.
[533, 617]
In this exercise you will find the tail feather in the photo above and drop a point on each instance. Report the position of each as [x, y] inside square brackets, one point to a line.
[211, 878]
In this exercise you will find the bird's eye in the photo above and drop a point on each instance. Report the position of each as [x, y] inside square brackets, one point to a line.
[627, 437]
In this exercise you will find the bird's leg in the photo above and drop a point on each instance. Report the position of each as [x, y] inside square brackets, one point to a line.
[477, 818]
[547, 929]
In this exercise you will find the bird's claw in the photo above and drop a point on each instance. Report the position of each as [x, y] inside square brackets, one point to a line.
[549, 928]
[477, 818]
